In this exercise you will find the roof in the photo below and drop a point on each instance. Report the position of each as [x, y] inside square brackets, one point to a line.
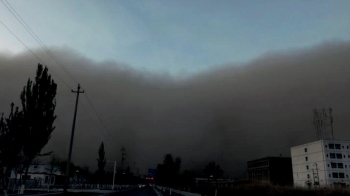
[43, 169]
[318, 141]
[269, 158]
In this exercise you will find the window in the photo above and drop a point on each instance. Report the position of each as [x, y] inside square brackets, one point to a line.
[338, 156]
[327, 155]
[341, 175]
[342, 146]
[335, 175]
[330, 175]
[46, 179]
[327, 165]
[337, 146]
[347, 147]
[305, 158]
[347, 176]
[325, 146]
[332, 155]
[344, 156]
[307, 167]
[345, 166]
[340, 165]
[348, 156]
[334, 165]
[308, 175]
[305, 149]
[331, 146]
[52, 180]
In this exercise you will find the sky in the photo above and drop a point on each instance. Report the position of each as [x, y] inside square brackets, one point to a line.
[227, 82]
[175, 37]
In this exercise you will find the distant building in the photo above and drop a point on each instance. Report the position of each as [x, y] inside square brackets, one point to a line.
[275, 170]
[321, 163]
[41, 174]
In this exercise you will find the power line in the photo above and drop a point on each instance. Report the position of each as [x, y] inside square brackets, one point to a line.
[41, 61]
[37, 39]
[98, 116]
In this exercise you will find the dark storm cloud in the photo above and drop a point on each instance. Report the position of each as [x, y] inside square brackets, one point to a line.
[230, 115]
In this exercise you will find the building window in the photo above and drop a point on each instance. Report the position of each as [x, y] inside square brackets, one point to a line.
[46, 179]
[345, 166]
[338, 156]
[340, 165]
[333, 165]
[307, 167]
[335, 175]
[341, 175]
[342, 146]
[347, 147]
[330, 175]
[348, 156]
[327, 155]
[337, 146]
[308, 175]
[305, 158]
[325, 146]
[344, 156]
[331, 146]
[327, 165]
[347, 176]
[305, 149]
[332, 155]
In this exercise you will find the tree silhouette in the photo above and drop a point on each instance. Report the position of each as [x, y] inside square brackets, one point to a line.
[10, 144]
[38, 105]
[101, 161]
[213, 171]
[168, 172]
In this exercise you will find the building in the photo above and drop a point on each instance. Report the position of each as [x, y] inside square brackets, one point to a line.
[275, 170]
[321, 163]
[41, 175]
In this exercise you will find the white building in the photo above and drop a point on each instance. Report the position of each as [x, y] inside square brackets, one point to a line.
[323, 163]
[41, 174]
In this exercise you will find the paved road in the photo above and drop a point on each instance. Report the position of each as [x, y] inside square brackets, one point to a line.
[145, 191]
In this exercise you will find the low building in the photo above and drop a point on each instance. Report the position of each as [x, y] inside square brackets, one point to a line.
[321, 163]
[42, 175]
[275, 170]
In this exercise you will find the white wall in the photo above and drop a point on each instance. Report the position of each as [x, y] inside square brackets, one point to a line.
[318, 153]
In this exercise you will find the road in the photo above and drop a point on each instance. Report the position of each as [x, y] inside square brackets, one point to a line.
[145, 191]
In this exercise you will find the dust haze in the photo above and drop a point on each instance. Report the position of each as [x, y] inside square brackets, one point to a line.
[231, 114]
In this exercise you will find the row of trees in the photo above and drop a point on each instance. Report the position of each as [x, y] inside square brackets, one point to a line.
[168, 173]
[26, 130]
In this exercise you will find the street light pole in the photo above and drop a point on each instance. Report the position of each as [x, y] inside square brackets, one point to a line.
[115, 165]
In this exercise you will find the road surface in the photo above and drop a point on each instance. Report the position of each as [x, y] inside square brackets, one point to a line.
[145, 191]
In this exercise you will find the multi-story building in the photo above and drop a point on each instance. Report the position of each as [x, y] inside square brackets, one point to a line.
[275, 170]
[321, 163]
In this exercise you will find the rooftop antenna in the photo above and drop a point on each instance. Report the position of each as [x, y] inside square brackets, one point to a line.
[323, 122]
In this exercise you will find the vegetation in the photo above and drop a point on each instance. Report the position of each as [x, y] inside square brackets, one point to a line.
[101, 162]
[25, 132]
[212, 170]
[168, 172]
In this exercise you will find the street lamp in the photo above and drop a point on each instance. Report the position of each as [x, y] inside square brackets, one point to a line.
[115, 165]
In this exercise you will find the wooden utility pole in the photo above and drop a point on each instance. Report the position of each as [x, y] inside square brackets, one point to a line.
[71, 139]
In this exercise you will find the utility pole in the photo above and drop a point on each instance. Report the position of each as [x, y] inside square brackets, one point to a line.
[71, 139]
[123, 154]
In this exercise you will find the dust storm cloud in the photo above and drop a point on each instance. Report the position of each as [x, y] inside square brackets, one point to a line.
[231, 114]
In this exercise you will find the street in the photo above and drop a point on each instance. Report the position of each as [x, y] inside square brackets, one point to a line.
[145, 191]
